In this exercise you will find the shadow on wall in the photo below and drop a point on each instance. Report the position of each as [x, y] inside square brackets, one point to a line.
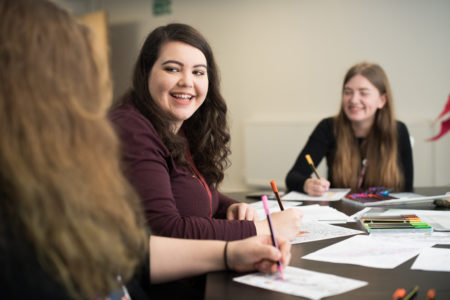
[123, 42]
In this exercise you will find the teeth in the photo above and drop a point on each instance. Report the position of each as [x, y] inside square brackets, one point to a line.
[182, 96]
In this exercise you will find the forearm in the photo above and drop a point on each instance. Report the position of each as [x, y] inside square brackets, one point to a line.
[196, 257]
[408, 170]
[301, 171]
[404, 144]
[224, 203]
[318, 145]
[295, 180]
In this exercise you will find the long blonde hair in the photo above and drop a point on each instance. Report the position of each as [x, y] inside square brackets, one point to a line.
[60, 174]
[379, 148]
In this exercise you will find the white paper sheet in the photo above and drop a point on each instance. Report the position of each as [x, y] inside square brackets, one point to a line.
[369, 251]
[357, 215]
[315, 212]
[273, 207]
[323, 214]
[435, 238]
[315, 231]
[301, 282]
[331, 195]
[433, 259]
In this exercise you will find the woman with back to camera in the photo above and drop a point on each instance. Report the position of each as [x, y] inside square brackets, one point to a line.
[70, 223]
[174, 130]
[364, 145]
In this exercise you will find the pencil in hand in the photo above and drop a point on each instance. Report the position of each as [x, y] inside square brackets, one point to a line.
[311, 164]
[277, 195]
[272, 233]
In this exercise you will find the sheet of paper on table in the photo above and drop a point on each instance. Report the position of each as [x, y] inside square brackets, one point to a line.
[301, 282]
[331, 195]
[314, 212]
[316, 231]
[369, 251]
[433, 259]
[324, 214]
[436, 238]
[273, 207]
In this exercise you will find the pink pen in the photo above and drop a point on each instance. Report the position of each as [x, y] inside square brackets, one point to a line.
[272, 234]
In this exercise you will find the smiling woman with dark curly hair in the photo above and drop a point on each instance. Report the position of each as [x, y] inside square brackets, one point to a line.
[174, 130]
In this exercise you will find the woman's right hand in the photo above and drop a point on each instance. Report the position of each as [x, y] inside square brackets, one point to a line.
[316, 187]
[285, 223]
[258, 253]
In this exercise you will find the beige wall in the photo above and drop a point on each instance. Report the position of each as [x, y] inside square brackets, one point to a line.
[285, 59]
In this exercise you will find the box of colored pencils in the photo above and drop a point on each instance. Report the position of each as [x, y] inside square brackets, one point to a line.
[402, 223]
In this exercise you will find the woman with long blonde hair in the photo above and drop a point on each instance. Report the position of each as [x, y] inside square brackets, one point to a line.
[70, 224]
[65, 205]
[364, 145]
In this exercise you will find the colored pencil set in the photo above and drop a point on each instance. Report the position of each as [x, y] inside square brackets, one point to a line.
[402, 223]
[372, 194]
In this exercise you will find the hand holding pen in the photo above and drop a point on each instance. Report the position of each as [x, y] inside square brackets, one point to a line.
[258, 253]
[287, 223]
[272, 233]
[315, 186]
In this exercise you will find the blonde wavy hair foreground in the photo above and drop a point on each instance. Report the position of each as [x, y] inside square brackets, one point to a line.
[60, 174]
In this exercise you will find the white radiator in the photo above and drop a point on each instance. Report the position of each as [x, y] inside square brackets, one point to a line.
[272, 146]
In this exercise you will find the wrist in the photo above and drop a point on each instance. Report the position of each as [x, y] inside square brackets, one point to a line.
[305, 185]
[261, 227]
[225, 257]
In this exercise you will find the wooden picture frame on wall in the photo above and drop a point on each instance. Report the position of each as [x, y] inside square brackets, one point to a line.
[98, 24]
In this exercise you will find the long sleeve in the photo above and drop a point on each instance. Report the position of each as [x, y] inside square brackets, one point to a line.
[175, 203]
[405, 153]
[319, 144]
[224, 203]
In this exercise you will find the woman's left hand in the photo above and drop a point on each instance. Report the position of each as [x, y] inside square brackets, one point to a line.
[241, 211]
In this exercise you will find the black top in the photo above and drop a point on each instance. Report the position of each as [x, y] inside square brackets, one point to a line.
[322, 142]
[22, 275]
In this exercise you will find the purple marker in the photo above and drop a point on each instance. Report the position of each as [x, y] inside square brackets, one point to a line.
[272, 234]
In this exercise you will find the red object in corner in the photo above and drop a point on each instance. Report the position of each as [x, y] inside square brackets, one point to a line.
[445, 125]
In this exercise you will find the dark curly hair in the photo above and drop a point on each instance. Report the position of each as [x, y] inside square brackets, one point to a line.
[206, 131]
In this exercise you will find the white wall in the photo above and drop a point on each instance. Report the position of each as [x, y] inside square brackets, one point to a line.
[287, 58]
